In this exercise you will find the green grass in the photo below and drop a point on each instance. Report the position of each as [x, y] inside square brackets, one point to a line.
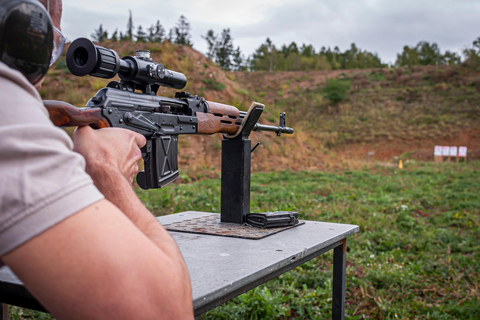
[416, 255]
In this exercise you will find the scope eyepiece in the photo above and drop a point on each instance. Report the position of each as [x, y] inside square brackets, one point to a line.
[84, 57]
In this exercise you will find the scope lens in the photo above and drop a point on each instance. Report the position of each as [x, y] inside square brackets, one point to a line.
[80, 56]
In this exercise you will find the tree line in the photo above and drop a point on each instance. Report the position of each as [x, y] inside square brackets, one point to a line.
[180, 34]
[292, 57]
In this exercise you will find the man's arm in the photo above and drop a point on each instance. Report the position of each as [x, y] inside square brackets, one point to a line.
[113, 173]
[98, 265]
[107, 261]
[112, 155]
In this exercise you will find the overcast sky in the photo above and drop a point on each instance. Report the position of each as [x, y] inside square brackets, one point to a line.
[378, 26]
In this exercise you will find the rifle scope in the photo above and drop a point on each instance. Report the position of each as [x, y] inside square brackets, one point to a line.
[84, 57]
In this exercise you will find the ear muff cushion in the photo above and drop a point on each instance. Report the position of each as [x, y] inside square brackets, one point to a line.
[26, 38]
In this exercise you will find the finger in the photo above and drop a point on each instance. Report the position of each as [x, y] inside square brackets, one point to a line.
[140, 140]
[79, 131]
[83, 130]
[134, 170]
[136, 155]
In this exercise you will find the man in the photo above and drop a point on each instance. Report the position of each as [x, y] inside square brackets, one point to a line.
[83, 244]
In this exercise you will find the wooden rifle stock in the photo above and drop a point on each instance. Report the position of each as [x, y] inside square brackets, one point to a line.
[63, 114]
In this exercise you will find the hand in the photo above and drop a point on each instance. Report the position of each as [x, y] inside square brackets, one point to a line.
[109, 151]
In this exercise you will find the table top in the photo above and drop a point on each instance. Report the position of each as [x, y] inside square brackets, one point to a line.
[220, 268]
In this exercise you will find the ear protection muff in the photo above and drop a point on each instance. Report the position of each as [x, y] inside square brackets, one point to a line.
[26, 37]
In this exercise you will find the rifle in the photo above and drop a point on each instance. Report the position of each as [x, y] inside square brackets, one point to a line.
[160, 119]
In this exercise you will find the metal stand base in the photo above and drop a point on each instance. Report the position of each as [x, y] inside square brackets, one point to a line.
[211, 225]
[235, 202]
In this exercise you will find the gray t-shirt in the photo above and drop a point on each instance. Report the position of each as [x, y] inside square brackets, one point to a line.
[42, 181]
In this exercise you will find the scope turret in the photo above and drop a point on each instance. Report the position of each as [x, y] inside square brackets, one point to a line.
[84, 57]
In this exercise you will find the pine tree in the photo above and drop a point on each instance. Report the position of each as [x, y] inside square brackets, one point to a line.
[211, 39]
[451, 58]
[129, 33]
[224, 50]
[170, 36]
[429, 54]
[238, 60]
[122, 37]
[156, 33]
[114, 36]
[423, 54]
[408, 57]
[141, 35]
[473, 54]
[182, 32]
[99, 34]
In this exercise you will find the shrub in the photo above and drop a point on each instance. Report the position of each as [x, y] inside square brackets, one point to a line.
[212, 84]
[336, 90]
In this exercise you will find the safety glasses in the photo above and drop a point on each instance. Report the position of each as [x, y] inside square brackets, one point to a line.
[58, 44]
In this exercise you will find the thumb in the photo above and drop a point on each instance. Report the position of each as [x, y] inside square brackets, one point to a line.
[140, 140]
[81, 131]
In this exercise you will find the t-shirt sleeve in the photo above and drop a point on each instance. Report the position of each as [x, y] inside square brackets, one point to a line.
[42, 181]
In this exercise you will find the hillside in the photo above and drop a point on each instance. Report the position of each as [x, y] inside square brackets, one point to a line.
[394, 112]
[389, 111]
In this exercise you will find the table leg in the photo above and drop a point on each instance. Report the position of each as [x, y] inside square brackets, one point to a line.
[3, 311]
[339, 265]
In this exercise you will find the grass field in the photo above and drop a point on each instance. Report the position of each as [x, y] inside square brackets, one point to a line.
[416, 255]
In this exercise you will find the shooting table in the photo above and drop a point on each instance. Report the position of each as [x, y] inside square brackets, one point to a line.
[223, 267]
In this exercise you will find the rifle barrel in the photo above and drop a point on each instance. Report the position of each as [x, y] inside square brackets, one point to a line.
[277, 129]
[264, 127]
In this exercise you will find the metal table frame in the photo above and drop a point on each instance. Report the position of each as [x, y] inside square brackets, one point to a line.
[222, 268]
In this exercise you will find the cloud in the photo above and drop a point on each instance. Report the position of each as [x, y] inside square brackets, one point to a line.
[382, 26]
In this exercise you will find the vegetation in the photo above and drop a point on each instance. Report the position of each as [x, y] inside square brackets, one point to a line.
[220, 50]
[426, 54]
[473, 54]
[416, 256]
[336, 90]
[268, 57]
[376, 106]
[182, 32]
[291, 58]
[179, 35]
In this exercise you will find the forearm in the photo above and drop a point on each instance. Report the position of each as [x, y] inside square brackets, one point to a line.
[98, 265]
[111, 156]
[119, 191]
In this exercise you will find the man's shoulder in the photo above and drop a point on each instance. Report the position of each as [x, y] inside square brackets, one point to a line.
[20, 103]
[14, 79]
